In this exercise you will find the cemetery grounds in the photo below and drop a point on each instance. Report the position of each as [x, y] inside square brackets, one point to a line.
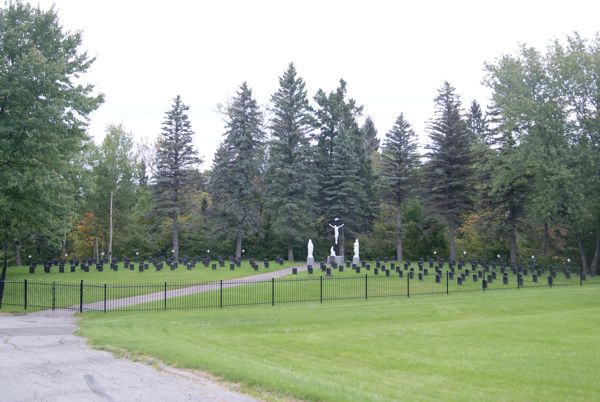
[532, 343]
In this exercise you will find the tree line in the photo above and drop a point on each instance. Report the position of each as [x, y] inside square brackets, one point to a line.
[516, 181]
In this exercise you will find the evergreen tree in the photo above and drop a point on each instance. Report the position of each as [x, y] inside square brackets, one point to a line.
[175, 159]
[235, 182]
[341, 167]
[399, 162]
[290, 181]
[369, 133]
[450, 161]
[477, 124]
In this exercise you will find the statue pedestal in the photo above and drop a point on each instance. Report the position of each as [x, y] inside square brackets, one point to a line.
[310, 261]
[339, 260]
[356, 261]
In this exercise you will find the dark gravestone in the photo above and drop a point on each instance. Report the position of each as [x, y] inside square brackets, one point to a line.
[494, 275]
[475, 277]
[368, 267]
[459, 280]
[231, 267]
[451, 275]
[294, 271]
[310, 270]
[32, 269]
[400, 273]
[72, 268]
[438, 279]
[61, 269]
[341, 268]
[376, 271]
[328, 271]
[141, 268]
[411, 274]
[131, 267]
[489, 279]
[387, 272]
[214, 267]
[505, 279]
[479, 274]
[550, 280]
[567, 274]
[358, 270]
[520, 280]
[534, 277]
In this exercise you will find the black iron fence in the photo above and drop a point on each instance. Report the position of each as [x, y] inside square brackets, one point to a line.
[32, 294]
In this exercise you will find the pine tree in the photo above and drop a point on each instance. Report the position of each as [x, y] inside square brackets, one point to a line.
[450, 162]
[236, 173]
[290, 177]
[369, 133]
[175, 158]
[399, 163]
[340, 160]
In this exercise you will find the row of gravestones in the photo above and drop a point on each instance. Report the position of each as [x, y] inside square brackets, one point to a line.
[142, 265]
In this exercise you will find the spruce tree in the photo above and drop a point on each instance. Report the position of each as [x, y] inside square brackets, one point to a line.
[290, 180]
[236, 172]
[399, 163]
[450, 160]
[340, 161]
[175, 159]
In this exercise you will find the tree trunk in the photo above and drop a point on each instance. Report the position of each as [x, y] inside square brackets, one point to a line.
[238, 245]
[584, 265]
[110, 228]
[594, 268]
[290, 249]
[341, 244]
[546, 241]
[513, 239]
[452, 240]
[399, 234]
[18, 253]
[175, 233]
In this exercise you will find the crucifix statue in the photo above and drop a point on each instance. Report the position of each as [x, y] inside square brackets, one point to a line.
[336, 229]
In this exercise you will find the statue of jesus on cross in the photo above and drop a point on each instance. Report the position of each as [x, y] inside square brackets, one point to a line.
[336, 229]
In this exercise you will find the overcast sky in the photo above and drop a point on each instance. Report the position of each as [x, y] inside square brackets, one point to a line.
[394, 55]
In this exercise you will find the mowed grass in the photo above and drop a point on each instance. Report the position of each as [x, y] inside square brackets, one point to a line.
[347, 284]
[516, 345]
[122, 283]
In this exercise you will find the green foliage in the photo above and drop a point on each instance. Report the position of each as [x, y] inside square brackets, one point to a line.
[176, 159]
[235, 182]
[449, 171]
[43, 118]
[290, 177]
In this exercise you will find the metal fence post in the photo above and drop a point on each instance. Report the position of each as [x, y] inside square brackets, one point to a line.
[447, 281]
[25, 294]
[81, 296]
[165, 293]
[407, 285]
[221, 293]
[366, 286]
[272, 291]
[105, 298]
[581, 277]
[321, 282]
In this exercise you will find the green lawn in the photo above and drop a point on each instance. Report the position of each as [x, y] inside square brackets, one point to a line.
[124, 282]
[530, 344]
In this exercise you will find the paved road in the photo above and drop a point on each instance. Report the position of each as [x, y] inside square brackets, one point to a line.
[116, 304]
[42, 360]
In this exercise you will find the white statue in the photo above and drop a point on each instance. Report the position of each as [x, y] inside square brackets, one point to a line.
[356, 249]
[332, 252]
[336, 231]
[310, 248]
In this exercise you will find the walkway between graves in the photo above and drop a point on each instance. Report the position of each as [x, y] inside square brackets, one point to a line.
[116, 304]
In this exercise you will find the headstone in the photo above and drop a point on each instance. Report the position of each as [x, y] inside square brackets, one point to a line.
[438, 279]
[310, 270]
[231, 267]
[376, 271]
[387, 272]
[294, 271]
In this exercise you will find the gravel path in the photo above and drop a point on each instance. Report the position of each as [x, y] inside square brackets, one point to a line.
[42, 360]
